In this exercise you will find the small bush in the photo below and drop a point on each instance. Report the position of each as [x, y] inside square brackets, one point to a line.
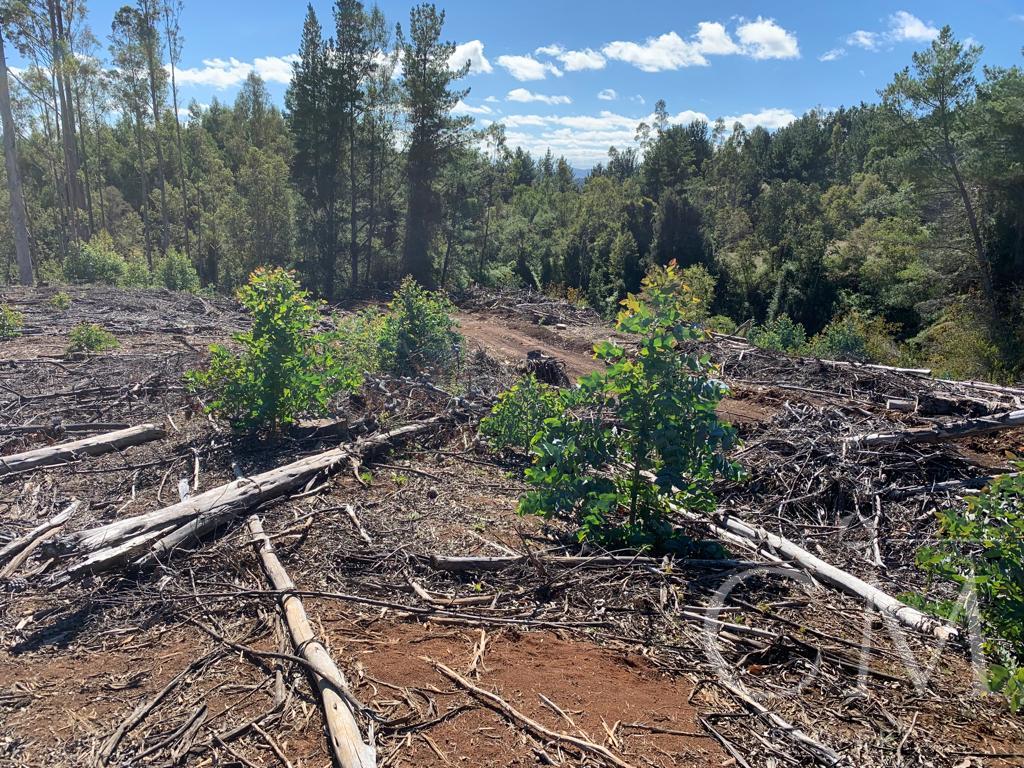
[60, 301]
[11, 322]
[176, 272]
[983, 549]
[721, 324]
[417, 335]
[662, 403]
[356, 340]
[959, 346]
[519, 414]
[855, 337]
[90, 337]
[284, 370]
[780, 334]
[702, 289]
[96, 262]
[137, 274]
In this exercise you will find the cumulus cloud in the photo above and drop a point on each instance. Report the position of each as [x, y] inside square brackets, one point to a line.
[759, 39]
[764, 39]
[462, 108]
[221, 74]
[576, 61]
[525, 68]
[584, 139]
[608, 94]
[473, 52]
[523, 95]
[835, 53]
[900, 27]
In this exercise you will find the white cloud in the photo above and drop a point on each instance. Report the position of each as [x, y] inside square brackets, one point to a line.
[759, 39]
[766, 118]
[638, 99]
[656, 54]
[835, 53]
[528, 68]
[523, 95]
[584, 139]
[221, 74]
[575, 61]
[492, 99]
[712, 38]
[608, 94]
[462, 108]
[473, 52]
[901, 27]
[906, 26]
[276, 69]
[549, 50]
[764, 39]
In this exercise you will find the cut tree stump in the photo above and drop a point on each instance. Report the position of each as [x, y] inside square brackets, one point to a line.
[935, 433]
[347, 745]
[87, 446]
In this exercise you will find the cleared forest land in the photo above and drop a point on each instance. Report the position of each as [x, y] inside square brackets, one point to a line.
[535, 650]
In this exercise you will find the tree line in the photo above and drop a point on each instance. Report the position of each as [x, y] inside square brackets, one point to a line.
[903, 219]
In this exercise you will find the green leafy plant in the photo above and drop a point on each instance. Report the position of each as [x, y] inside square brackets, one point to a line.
[96, 261]
[983, 548]
[780, 334]
[855, 337]
[11, 322]
[417, 334]
[284, 369]
[640, 435]
[357, 338]
[519, 414]
[90, 337]
[176, 272]
[60, 301]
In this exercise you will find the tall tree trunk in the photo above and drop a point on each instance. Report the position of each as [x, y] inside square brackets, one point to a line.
[85, 159]
[352, 205]
[181, 156]
[145, 189]
[19, 217]
[164, 222]
[76, 200]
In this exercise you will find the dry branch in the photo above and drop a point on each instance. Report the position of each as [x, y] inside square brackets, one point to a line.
[87, 446]
[12, 548]
[346, 741]
[934, 433]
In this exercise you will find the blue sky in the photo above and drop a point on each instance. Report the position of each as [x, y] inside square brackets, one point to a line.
[577, 76]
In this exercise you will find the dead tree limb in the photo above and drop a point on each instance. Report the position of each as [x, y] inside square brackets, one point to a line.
[458, 563]
[151, 536]
[87, 446]
[12, 548]
[937, 432]
[346, 741]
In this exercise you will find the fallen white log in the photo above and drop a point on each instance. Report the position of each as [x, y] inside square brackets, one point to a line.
[152, 535]
[347, 745]
[458, 563]
[938, 432]
[19, 550]
[827, 573]
[87, 446]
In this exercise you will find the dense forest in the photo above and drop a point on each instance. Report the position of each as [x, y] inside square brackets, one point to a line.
[892, 231]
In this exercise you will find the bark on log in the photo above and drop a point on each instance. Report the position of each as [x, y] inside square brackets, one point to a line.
[828, 574]
[939, 432]
[346, 741]
[87, 446]
[153, 535]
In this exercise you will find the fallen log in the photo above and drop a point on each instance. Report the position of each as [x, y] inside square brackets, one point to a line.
[151, 536]
[938, 432]
[458, 563]
[791, 554]
[347, 745]
[87, 446]
[59, 429]
[19, 550]
[15, 546]
[947, 486]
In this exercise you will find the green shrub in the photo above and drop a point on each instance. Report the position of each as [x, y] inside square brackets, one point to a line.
[855, 337]
[780, 334]
[702, 291]
[284, 370]
[96, 262]
[959, 346]
[356, 340]
[417, 335]
[60, 301]
[983, 549]
[90, 337]
[137, 274]
[662, 403]
[721, 324]
[176, 272]
[11, 322]
[519, 414]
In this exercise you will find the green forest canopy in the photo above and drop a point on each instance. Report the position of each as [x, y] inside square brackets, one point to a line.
[902, 219]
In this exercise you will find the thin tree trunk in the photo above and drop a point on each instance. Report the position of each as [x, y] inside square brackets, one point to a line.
[65, 116]
[161, 180]
[145, 190]
[85, 160]
[352, 203]
[181, 157]
[19, 217]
